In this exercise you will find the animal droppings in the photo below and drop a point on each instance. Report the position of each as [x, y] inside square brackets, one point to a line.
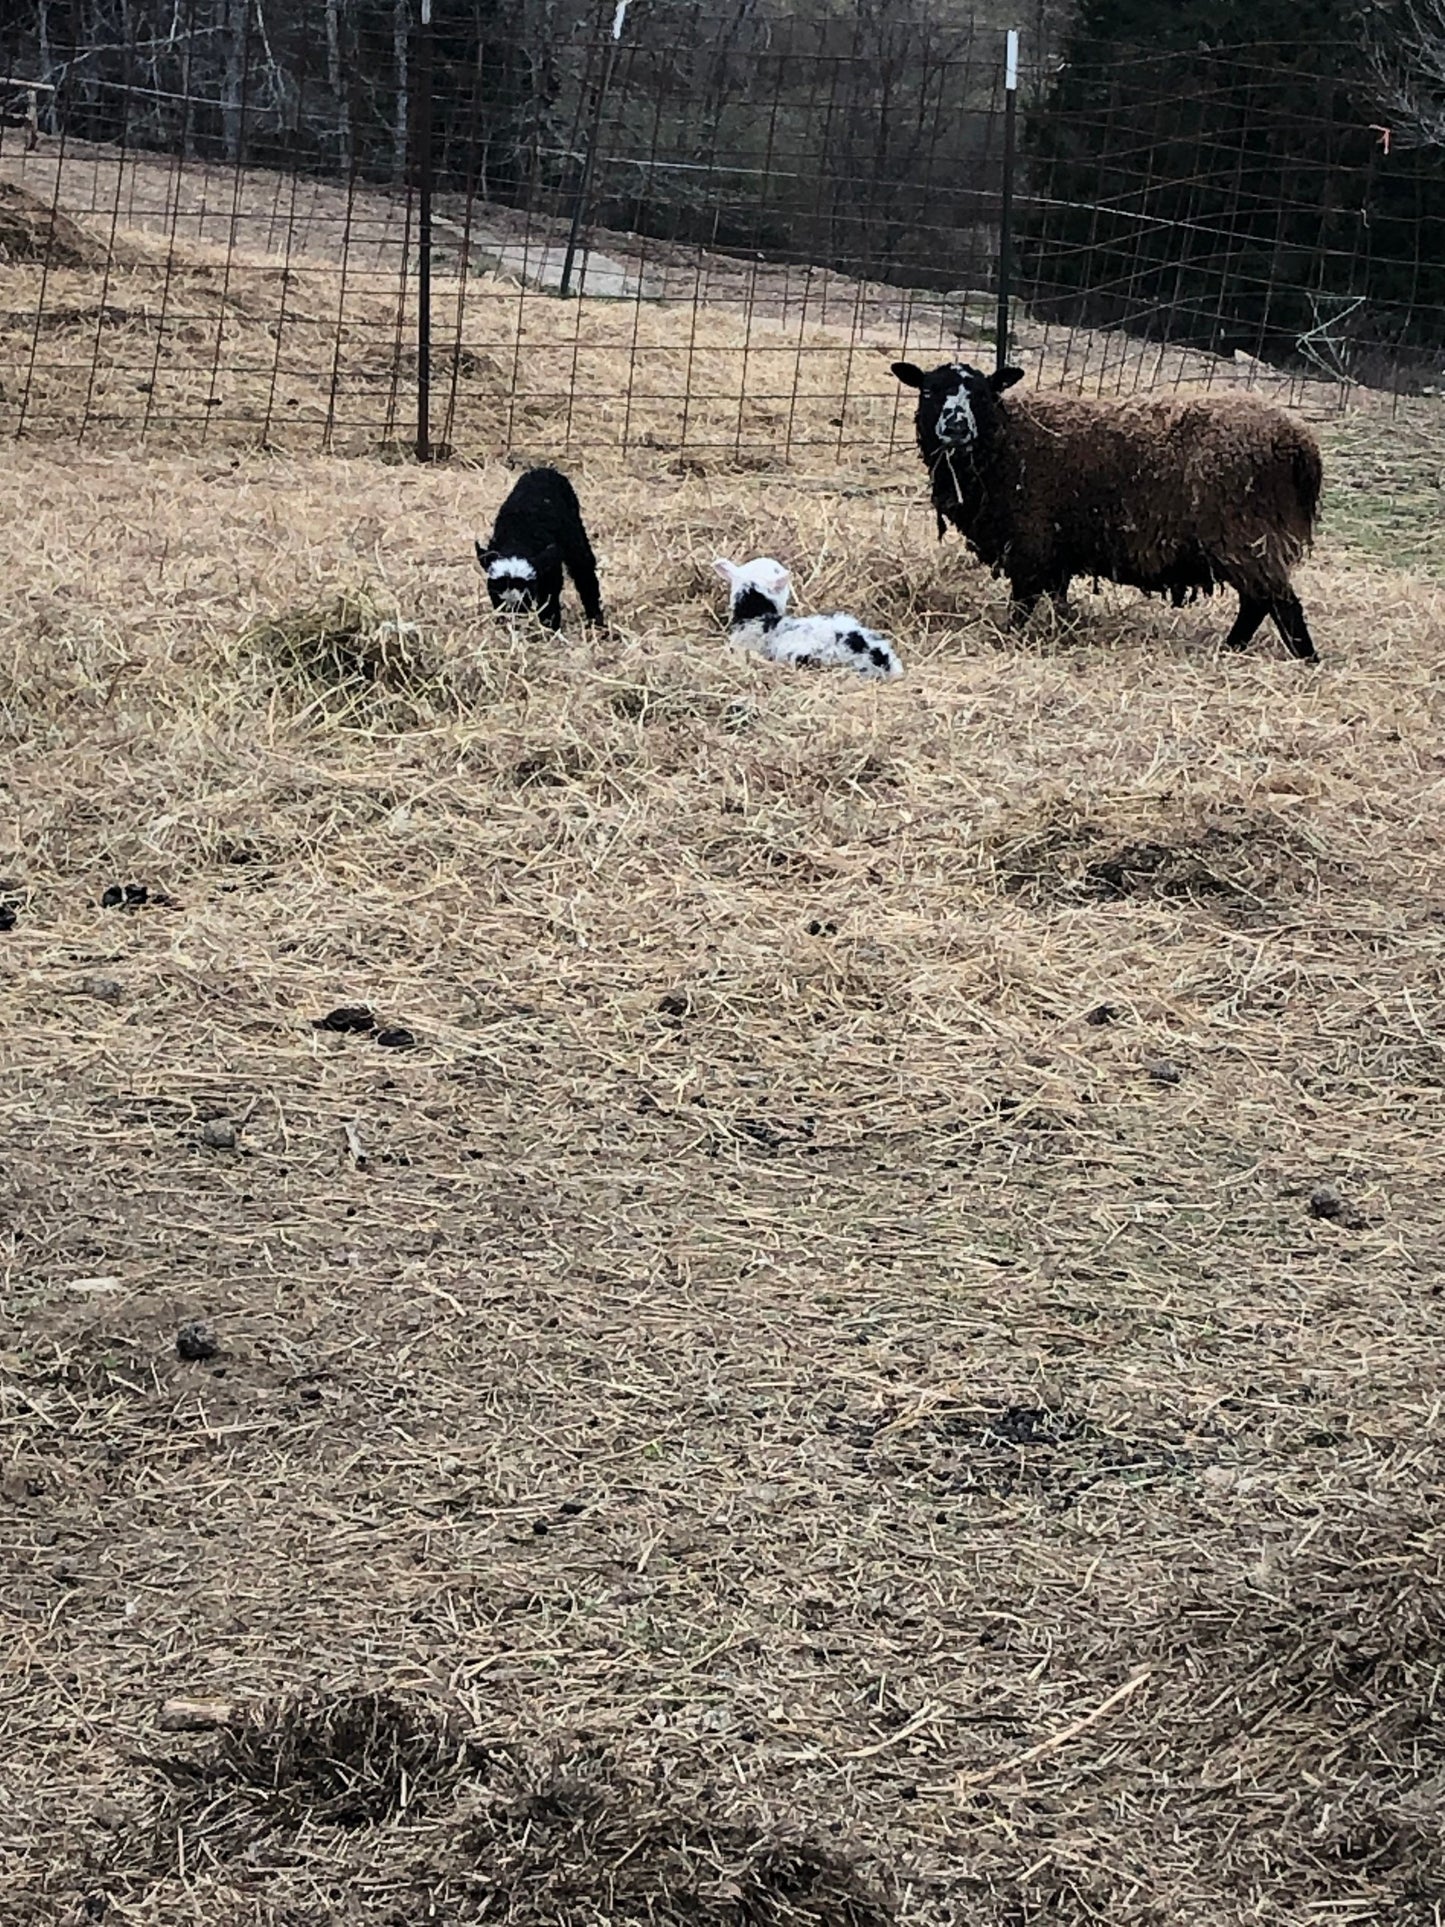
[1163, 1072]
[1327, 1201]
[219, 1133]
[7, 916]
[674, 1004]
[1102, 1014]
[124, 896]
[346, 1018]
[196, 1342]
[1025, 1425]
[396, 1038]
[104, 989]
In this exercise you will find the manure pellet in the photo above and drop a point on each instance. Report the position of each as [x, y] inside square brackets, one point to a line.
[196, 1342]
[354, 1018]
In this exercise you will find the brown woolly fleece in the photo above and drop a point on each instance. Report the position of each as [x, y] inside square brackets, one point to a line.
[1172, 495]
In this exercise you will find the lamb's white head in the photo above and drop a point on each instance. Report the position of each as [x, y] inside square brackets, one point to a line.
[759, 589]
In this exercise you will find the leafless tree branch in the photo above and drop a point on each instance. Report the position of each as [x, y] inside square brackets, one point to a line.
[1407, 59]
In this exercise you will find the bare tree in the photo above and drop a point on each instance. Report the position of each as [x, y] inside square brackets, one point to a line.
[234, 21]
[336, 79]
[47, 64]
[401, 61]
[1408, 61]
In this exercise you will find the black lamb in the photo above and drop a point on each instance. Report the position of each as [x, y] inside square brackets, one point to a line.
[537, 533]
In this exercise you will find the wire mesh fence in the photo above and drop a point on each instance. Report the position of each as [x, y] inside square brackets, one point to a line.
[375, 226]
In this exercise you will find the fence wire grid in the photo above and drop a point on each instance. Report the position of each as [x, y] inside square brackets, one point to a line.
[357, 229]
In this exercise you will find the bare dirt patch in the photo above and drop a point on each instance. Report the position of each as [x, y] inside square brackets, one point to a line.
[1242, 860]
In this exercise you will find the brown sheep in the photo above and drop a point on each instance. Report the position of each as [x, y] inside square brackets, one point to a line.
[1176, 495]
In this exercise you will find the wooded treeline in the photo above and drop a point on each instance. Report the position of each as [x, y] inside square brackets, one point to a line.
[326, 85]
[1209, 170]
[861, 133]
[1265, 175]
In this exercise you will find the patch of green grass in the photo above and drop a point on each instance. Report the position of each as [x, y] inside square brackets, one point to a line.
[1385, 488]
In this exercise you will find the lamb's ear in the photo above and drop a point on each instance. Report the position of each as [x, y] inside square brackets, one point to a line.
[910, 376]
[485, 558]
[1005, 378]
[729, 571]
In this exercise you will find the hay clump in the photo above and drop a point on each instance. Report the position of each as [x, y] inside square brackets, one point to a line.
[581, 1845]
[1318, 1674]
[396, 1794]
[1222, 852]
[348, 642]
[31, 231]
[342, 1761]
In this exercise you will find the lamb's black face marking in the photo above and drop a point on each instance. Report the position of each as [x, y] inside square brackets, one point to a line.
[510, 589]
[751, 605]
[878, 657]
[511, 580]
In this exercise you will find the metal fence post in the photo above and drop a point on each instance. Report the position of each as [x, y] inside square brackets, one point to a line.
[423, 126]
[1006, 208]
[584, 186]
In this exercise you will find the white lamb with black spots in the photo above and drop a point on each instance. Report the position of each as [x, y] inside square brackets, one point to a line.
[758, 622]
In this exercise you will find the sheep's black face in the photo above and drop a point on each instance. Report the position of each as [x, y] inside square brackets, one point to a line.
[957, 405]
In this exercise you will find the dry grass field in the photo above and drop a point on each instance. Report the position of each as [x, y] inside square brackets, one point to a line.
[871, 1351]
[190, 305]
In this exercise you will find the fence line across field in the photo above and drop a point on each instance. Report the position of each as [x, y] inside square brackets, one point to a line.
[660, 263]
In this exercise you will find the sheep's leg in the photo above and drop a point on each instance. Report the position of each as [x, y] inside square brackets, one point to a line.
[1059, 596]
[551, 612]
[1021, 605]
[584, 575]
[1289, 619]
[1252, 611]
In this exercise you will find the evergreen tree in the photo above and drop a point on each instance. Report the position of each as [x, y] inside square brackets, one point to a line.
[1208, 172]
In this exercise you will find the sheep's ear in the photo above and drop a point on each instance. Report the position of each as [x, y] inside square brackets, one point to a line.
[727, 570]
[910, 376]
[774, 580]
[1005, 378]
[485, 558]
